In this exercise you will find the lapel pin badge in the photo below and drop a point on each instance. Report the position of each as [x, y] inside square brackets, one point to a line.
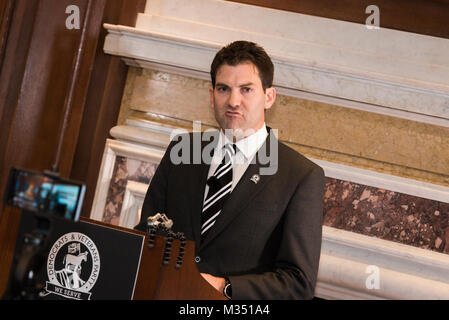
[255, 178]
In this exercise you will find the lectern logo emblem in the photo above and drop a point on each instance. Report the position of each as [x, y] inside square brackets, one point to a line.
[73, 266]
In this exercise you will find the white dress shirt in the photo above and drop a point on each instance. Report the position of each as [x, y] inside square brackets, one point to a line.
[246, 150]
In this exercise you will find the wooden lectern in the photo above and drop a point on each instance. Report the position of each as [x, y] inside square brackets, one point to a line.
[155, 281]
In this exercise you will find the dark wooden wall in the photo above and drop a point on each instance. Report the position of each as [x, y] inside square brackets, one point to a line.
[429, 17]
[37, 61]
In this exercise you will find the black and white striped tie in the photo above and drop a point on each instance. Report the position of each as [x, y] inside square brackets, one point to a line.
[220, 185]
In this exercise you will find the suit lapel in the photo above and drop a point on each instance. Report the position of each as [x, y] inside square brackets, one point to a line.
[199, 177]
[241, 196]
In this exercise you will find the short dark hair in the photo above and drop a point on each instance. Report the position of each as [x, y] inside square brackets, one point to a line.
[240, 52]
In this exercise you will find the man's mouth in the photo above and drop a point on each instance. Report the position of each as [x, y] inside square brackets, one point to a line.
[232, 114]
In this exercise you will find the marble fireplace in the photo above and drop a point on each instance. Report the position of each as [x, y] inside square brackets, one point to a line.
[358, 102]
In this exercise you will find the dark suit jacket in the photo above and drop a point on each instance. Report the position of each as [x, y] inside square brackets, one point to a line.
[267, 239]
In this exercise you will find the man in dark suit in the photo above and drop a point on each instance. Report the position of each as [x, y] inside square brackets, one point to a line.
[255, 210]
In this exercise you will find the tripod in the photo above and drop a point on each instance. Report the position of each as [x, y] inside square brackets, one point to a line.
[25, 283]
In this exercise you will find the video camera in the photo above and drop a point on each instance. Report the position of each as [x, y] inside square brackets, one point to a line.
[44, 193]
[47, 197]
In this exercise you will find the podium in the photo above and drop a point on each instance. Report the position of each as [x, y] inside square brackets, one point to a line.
[151, 278]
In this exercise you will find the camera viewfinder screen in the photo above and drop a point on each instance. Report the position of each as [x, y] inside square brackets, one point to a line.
[37, 192]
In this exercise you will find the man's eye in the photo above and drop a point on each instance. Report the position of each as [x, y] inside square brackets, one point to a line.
[246, 89]
[222, 89]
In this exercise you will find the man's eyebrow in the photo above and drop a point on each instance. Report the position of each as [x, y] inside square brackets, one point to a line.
[246, 84]
[241, 85]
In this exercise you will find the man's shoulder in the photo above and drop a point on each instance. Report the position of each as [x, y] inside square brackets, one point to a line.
[294, 160]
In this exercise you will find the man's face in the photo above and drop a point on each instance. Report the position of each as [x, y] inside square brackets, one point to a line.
[239, 100]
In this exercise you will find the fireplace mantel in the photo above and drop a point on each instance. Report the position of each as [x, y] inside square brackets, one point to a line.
[384, 71]
[330, 61]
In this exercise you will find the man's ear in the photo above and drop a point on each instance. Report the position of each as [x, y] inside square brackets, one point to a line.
[270, 96]
[211, 93]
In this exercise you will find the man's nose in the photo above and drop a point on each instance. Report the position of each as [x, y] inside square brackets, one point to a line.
[235, 99]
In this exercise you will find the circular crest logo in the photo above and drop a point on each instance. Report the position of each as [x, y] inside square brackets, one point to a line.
[73, 266]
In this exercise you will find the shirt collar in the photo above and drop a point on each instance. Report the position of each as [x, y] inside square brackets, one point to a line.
[249, 145]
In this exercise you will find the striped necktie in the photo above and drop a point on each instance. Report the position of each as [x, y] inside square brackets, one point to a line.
[220, 185]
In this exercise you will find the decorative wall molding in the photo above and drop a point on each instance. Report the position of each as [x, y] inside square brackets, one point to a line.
[132, 204]
[384, 181]
[372, 70]
[113, 149]
[134, 133]
[405, 272]
[158, 135]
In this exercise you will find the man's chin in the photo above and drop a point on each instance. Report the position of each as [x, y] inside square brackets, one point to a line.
[237, 133]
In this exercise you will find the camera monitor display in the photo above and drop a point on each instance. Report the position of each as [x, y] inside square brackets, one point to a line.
[39, 192]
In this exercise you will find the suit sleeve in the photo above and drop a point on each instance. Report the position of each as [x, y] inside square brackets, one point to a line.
[295, 271]
[155, 198]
